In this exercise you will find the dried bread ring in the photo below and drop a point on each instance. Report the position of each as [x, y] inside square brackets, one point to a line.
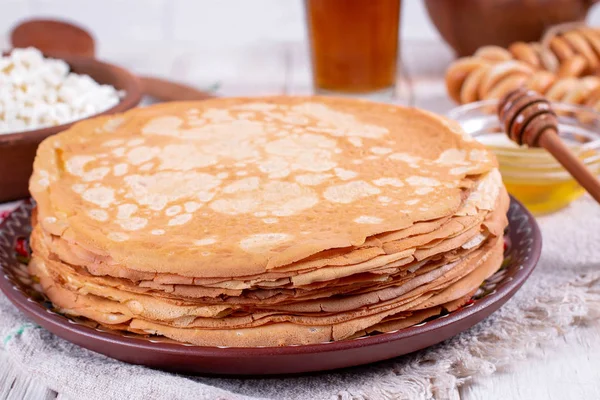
[573, 67]
[470, 88]
[582, 47]
[547, 57]
[525, 53]
[580, 93]
[540, 81]
[506, 85]
[593, 99]
[458, 72]
[561, 48]
[560, 89]
[493, 54]
[593, 38]
[500, 71]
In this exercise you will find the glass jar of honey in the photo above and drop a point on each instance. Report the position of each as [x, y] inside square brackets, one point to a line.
[532, 175]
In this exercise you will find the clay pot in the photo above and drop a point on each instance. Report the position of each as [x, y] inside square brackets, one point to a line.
[467, 25]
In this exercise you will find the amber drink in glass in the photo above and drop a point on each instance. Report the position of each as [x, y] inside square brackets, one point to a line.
[354, 46]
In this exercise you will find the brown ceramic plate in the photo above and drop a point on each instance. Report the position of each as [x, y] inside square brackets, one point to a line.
[17, 150]
[524, 243]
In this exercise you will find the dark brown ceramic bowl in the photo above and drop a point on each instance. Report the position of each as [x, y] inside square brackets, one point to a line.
[467, 25]
[17, 150]
[524, 245]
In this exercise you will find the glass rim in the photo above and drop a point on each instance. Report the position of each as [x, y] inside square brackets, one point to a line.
[549, 169]
[494, 102]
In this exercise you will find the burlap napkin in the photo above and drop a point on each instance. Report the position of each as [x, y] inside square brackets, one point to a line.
[563, 293]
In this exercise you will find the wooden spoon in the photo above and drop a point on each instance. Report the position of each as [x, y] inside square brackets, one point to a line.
[165, 90]
[54, 37]
[60, 37]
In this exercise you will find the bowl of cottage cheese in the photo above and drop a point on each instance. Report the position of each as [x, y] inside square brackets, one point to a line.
[42, 95]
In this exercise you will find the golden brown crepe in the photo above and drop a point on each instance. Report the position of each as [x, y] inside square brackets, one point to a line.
[265, 221]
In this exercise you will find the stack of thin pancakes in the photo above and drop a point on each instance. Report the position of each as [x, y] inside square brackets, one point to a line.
[265, 221]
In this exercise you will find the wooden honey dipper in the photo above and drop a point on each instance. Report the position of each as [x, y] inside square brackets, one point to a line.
[528, 119]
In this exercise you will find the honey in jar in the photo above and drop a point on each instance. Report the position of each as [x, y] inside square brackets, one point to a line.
[532, 175]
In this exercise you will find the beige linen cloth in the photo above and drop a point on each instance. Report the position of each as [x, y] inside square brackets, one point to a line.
[562, 294]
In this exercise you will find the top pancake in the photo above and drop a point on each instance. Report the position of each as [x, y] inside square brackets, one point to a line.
[234, 187]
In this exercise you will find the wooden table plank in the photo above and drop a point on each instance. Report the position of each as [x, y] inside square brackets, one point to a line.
[14, 385]
[571, 370]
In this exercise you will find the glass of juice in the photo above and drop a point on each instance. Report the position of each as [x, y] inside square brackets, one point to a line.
[354, 46]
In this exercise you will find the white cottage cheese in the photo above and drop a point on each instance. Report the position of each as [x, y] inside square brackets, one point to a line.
[37, 92]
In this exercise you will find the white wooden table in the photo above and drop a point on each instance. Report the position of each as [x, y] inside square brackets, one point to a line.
[570, 371]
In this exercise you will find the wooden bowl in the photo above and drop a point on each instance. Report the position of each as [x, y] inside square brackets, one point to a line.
[17, 150]
[467, 25]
